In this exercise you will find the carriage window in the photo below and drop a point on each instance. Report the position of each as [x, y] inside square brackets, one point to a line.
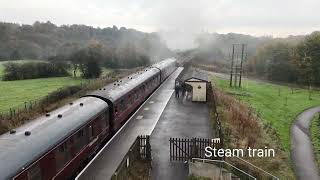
[130, 99]
[34, 172]
[116, 109]
[103, 120]
[62, 155]
[122, 105]
[91, 133]
[106, 117]
[80, 140]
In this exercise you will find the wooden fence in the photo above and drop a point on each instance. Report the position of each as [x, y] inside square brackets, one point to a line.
[184, 149]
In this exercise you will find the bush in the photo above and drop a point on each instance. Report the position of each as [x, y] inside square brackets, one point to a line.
[62, 93]
[32, 70]
[91, 69]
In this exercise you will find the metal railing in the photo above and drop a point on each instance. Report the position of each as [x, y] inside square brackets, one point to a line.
[252, 175]
[224, 162]
[256, 167]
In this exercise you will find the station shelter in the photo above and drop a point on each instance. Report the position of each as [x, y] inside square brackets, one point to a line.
[196, 83]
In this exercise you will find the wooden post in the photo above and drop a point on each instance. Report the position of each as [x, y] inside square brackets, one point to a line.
[148, 148]
[231, 71]
[242, 58]
[170, 149]
[310, 98]
[193, 148]
[10, 113]
[286, 101]
[236, 70]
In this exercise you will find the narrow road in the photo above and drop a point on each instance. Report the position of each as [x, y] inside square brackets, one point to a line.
[301, 147]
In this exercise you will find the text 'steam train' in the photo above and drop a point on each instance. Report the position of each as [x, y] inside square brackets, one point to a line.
[56, 145]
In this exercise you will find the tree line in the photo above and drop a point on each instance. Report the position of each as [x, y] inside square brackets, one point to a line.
[77, 47]
[294, 59]
[89, 61]
[42, 40]
[287, 61]
[32, 70]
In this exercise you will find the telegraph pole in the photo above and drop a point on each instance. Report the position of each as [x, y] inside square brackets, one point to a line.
[232, 59]
[236, 66]
[236, 70]
[242, 58]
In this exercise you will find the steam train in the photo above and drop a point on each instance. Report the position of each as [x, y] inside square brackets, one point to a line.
[57, 145]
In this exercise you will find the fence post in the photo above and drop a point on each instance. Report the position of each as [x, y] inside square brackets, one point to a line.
[171, 148]
[286, 101]
[193, 149]
[148, 147]
[30, 105]
[10, 113]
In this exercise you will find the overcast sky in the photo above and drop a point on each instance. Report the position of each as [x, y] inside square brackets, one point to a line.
[255, 17]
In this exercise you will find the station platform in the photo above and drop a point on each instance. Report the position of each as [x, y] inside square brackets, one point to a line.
[180, 119]
[141, 123]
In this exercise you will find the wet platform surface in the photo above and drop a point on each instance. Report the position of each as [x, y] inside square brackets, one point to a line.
[141, 123]
[180, 119]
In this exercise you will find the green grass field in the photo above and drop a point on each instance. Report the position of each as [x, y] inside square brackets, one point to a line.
[15, 93]
[279, 111]
[315, 136]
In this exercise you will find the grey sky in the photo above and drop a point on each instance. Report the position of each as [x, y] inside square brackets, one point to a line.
[255, 17]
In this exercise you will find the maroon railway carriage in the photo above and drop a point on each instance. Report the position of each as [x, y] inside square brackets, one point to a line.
[124, 96]
[58, 144]
[166, 67]
[53, 145]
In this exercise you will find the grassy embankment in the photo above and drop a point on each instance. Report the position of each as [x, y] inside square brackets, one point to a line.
[315, 136]
[261, 114]
[277, 105]
[15, 93]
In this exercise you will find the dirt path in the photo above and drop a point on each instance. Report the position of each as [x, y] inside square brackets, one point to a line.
[301, 147]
